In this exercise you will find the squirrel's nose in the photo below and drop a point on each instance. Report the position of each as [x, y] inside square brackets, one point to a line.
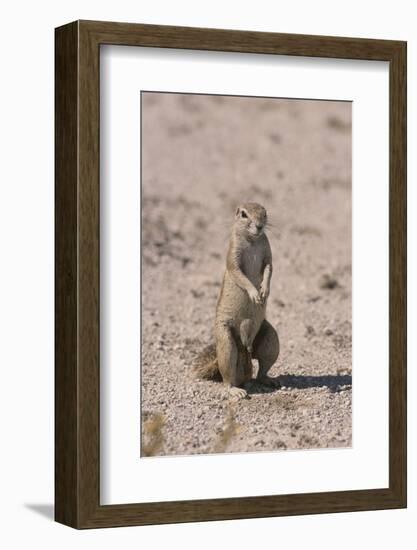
[259, 226]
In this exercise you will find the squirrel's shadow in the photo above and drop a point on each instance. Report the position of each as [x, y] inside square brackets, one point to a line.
[332, 382]
[254, 387]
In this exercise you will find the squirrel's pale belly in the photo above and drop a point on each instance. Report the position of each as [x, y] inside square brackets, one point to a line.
[252, 259]
[234, 305]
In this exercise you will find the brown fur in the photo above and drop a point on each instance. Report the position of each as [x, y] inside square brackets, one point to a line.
[206, 366]
[241, 306]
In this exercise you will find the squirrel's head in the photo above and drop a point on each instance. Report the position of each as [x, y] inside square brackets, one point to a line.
[250, 220]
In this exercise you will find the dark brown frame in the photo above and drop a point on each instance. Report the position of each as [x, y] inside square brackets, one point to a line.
[77, 274]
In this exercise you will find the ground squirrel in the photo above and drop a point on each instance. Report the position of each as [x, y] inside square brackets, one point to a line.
[241, 330]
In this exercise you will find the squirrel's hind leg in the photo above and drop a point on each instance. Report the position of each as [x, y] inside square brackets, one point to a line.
[227, 357]
[266, 351]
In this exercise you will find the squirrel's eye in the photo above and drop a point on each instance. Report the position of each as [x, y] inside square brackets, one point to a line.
[243, 214]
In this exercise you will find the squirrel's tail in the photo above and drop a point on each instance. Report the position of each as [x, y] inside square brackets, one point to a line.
[206, 366]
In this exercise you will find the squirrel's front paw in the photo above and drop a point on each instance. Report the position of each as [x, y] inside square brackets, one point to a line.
[264, 293]
[255, 296]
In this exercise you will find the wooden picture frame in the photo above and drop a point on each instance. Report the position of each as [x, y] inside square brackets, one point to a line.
[77, 373]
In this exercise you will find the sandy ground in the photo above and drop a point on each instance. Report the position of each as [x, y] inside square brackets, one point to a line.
[201, 157]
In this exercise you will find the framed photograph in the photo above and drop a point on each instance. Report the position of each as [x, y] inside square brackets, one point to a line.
[230, 274]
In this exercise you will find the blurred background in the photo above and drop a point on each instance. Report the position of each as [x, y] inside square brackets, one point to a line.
[202, 156]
